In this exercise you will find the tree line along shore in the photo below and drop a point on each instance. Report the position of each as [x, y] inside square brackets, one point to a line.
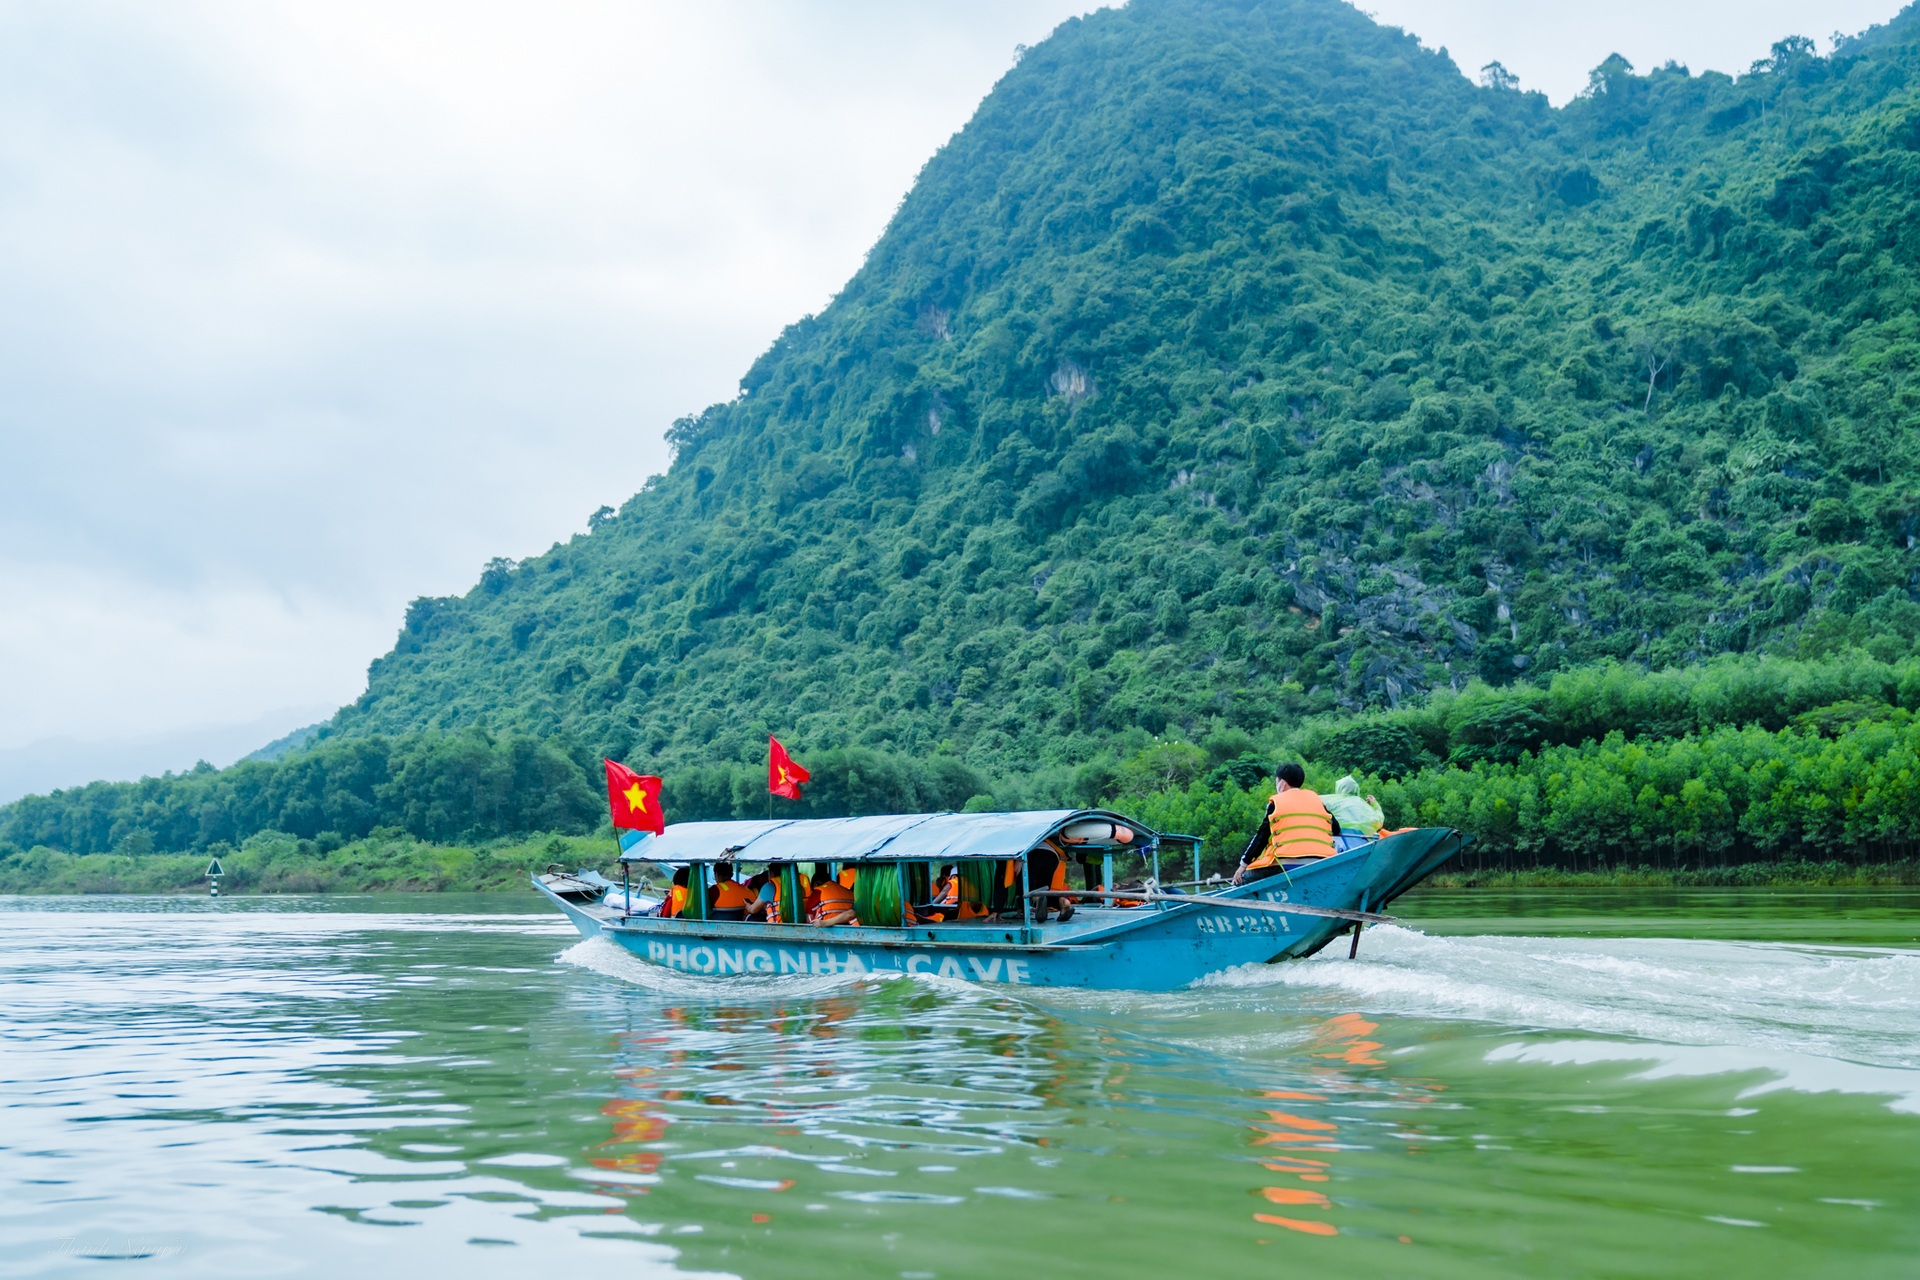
[1751, 770]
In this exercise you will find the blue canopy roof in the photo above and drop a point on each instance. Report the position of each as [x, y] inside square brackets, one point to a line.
[887, 837]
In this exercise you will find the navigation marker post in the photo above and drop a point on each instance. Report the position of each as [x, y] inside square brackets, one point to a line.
[214, 872]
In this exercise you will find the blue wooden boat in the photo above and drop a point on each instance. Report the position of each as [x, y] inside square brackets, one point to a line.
[1150, 937]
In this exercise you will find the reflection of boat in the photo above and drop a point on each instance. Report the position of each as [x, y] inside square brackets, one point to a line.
[1146, 939]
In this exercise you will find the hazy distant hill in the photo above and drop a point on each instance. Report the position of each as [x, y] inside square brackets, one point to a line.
[286, 744]
[1244, 360]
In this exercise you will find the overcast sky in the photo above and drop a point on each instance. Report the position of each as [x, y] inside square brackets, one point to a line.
[313, 307]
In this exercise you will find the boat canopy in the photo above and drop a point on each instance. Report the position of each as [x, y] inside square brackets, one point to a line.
[884, 838]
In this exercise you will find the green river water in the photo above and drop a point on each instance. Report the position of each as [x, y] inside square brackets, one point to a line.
[1565, 1084]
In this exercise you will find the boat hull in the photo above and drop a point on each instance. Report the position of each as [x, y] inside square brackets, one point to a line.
[1140, 949]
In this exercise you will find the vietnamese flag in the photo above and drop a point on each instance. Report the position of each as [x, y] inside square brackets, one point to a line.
[783, 775]
[635, 798]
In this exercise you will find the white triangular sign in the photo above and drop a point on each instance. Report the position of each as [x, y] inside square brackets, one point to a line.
[214, 869]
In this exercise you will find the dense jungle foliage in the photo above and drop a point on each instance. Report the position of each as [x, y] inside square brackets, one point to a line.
[1245, 361]
[1244, 379]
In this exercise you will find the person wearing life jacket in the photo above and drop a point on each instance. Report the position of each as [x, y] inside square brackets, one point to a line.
[950, 897]
[1298, 829]
[822, 874]
[727, 899]
[943, 897]
[834, 904]
[766, 903]
[1047, 865]
[676, 899]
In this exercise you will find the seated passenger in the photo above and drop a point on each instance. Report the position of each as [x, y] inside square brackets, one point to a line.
[766, 903]
[943, 898]
[763, 893]
[822, 872]
[726, 898]
[1047, 865]
[676, 900]
[1357, 816]
[835, 905]
[1298, 829]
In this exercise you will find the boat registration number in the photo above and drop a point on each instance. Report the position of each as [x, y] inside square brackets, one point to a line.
[1247, 923]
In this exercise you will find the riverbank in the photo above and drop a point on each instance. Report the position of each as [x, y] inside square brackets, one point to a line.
[281, 864]
[1758, 875]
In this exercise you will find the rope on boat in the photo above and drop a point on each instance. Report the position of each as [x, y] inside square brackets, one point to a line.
[1208, 900]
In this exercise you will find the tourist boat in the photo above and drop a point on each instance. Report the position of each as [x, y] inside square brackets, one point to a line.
[1147, 936]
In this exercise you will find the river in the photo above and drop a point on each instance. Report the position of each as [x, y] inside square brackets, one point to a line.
[1646, 1083]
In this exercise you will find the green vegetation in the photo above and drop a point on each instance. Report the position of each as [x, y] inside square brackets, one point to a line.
[1713, 765]
[1244, 381]
[1243, 362]
[433, 787]
[384, 862]
[1735, 760]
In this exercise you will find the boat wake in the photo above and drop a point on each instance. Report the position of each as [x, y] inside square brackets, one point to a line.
[1816, 1018]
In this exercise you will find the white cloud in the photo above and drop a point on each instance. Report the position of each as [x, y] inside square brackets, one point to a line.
[126, 661]
[315, 307]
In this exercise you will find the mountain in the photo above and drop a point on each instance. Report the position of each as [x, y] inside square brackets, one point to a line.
[285, 745]
[1242, 360]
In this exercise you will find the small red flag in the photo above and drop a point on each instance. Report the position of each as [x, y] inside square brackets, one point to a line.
[784, 776]
[635, 798]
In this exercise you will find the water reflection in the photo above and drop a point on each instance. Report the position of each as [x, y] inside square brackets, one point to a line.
[917, 1097]
[1341, 1038]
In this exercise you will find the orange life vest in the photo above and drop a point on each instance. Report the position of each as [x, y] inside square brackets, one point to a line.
[949, 895]
[1298, 826]
[834, 898]
[806, 887]
[776, 915]
[677, 900]
[730, 895]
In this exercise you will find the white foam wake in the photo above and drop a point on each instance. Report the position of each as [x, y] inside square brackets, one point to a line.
[1815, 1017]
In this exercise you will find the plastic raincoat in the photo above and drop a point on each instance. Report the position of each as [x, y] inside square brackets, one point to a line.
[1358, 815]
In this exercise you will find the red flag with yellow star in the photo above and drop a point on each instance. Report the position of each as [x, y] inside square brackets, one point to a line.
[635, 798]
[784, 776]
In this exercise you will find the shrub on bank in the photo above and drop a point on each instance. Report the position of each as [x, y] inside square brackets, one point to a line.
[1842, 790]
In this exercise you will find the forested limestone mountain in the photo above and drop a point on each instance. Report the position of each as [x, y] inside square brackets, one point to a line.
[1242, 360]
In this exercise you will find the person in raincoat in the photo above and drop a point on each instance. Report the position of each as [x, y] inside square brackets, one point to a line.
[1359, 815]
